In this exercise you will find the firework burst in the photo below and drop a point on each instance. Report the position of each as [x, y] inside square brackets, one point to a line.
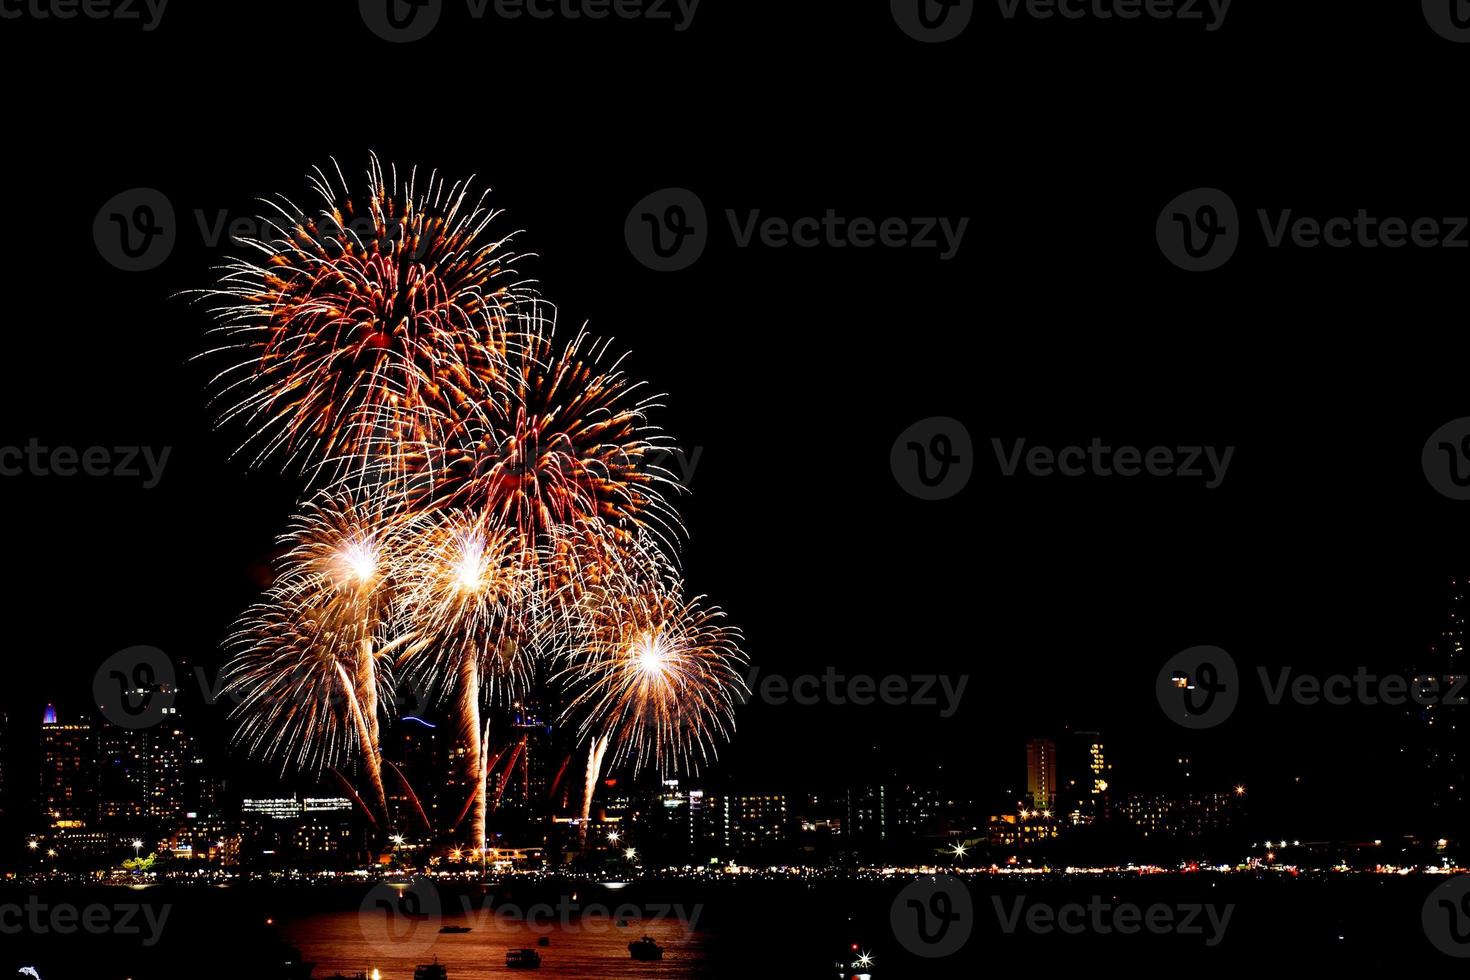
[360, 334]
[311, 666]
[654, 678]
[467, 616]
[575, 443]
[659, 679]
[492, 510]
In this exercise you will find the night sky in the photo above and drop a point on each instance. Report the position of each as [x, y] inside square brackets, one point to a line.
[794, 370]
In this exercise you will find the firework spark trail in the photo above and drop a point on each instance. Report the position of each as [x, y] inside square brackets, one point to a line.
[655, 678]
[466, 612]
[574, 444]
[596, 753]
[662, 684]
[492, 500]
[360, 335]
[322, 630]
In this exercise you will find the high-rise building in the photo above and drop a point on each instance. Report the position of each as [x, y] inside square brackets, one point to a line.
[1088, 777]
[1191, 816]
[417, 750]
[531, 780]
[760, 822]
[150, 776]
[711, 829]
[916, 811]
[122, 777]
[68, 772]
[1041, 773]
[1441, 759]
[6, 805]
[867, 814]
[179, 782]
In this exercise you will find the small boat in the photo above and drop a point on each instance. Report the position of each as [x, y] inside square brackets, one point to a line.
[454, 930]
[544, 941]
[522, 959]
[430, 971]
[645, 949]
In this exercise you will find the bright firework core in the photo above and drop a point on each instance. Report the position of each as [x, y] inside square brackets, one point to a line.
[361, 561]
[469, 573]
[651, 654]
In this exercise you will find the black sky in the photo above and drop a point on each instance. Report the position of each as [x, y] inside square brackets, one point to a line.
[794, 370]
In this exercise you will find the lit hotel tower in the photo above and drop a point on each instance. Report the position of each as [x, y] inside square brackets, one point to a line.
[1041, 773]
[68, 772]
[1440, 755]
